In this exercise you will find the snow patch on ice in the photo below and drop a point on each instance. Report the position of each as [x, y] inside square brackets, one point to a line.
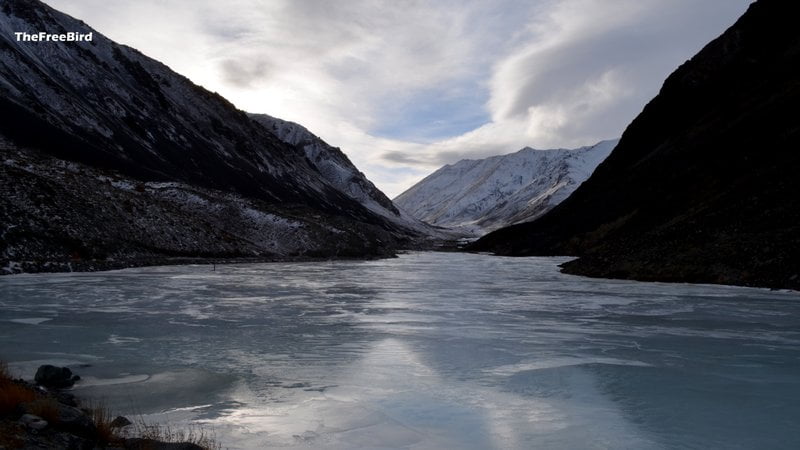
[31, 320]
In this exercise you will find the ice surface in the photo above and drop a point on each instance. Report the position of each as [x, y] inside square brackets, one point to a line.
[426, 351]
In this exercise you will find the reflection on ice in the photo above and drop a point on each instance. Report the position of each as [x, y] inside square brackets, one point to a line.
[425, 351]
[391, 399]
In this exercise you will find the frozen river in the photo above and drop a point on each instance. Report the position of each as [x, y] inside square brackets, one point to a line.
[426, 351]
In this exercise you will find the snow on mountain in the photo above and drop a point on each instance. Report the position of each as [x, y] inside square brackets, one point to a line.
[59, 215]
[482, 195]
[334, 165]
[107, 104]
[109, 108]
[337, 169]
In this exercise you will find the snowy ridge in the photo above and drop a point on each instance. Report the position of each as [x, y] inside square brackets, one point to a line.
[340, 172]
[482, 195]
[334, 165]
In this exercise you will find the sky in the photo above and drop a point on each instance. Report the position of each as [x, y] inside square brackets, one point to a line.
[406, 86]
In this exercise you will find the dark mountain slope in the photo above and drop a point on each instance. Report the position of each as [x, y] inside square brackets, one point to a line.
[332, 163]
[108, 105]
[703, 186]
[337, 169]
[117, 114]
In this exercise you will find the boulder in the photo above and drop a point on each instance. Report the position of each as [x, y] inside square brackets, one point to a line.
[55, 377]
[57, 440]
[120, 422]
[75, 421]
[33, 422]
[66, 398]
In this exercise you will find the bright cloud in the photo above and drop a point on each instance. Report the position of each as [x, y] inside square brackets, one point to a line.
[406, 86]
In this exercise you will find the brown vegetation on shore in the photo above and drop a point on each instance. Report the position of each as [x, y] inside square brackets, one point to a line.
[34, 417]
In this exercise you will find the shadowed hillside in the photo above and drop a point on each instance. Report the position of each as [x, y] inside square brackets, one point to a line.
[703, 186]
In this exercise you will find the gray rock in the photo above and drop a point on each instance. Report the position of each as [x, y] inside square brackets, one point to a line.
[66, 398]
[55, 377]
[75, 421]
[61, 441]
[120, 422]
[33, 422]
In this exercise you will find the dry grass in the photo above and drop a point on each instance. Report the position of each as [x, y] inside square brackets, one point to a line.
[164, 433]
[11, 393]
[46, 408]
[140, 429]
[102, 419]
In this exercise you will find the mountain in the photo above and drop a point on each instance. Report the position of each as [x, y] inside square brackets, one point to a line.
[110, 155]
[703, 186]
[336, 168]
[485, 194]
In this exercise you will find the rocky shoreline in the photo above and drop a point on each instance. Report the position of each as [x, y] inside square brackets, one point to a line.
[99, 265]
[43, 415]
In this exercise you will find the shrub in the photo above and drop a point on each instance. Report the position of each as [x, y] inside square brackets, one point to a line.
[11, 392]
[102, 419]
[164, 433]
[45, 407]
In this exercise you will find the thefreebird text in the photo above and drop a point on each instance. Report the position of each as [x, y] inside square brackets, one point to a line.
[41, 36]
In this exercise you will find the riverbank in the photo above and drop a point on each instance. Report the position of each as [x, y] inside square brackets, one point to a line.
[44, 415]
[100, 265]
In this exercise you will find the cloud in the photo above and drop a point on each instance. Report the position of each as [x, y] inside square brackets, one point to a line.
[403, 158]
[243, 74]
[597, 63]
[406, 86]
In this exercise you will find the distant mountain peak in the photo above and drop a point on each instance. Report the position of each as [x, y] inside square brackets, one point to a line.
[480, 195]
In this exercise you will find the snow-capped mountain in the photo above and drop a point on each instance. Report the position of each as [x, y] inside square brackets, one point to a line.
[485, 194]
[340, 172]
[113, 113]
[331, 163]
